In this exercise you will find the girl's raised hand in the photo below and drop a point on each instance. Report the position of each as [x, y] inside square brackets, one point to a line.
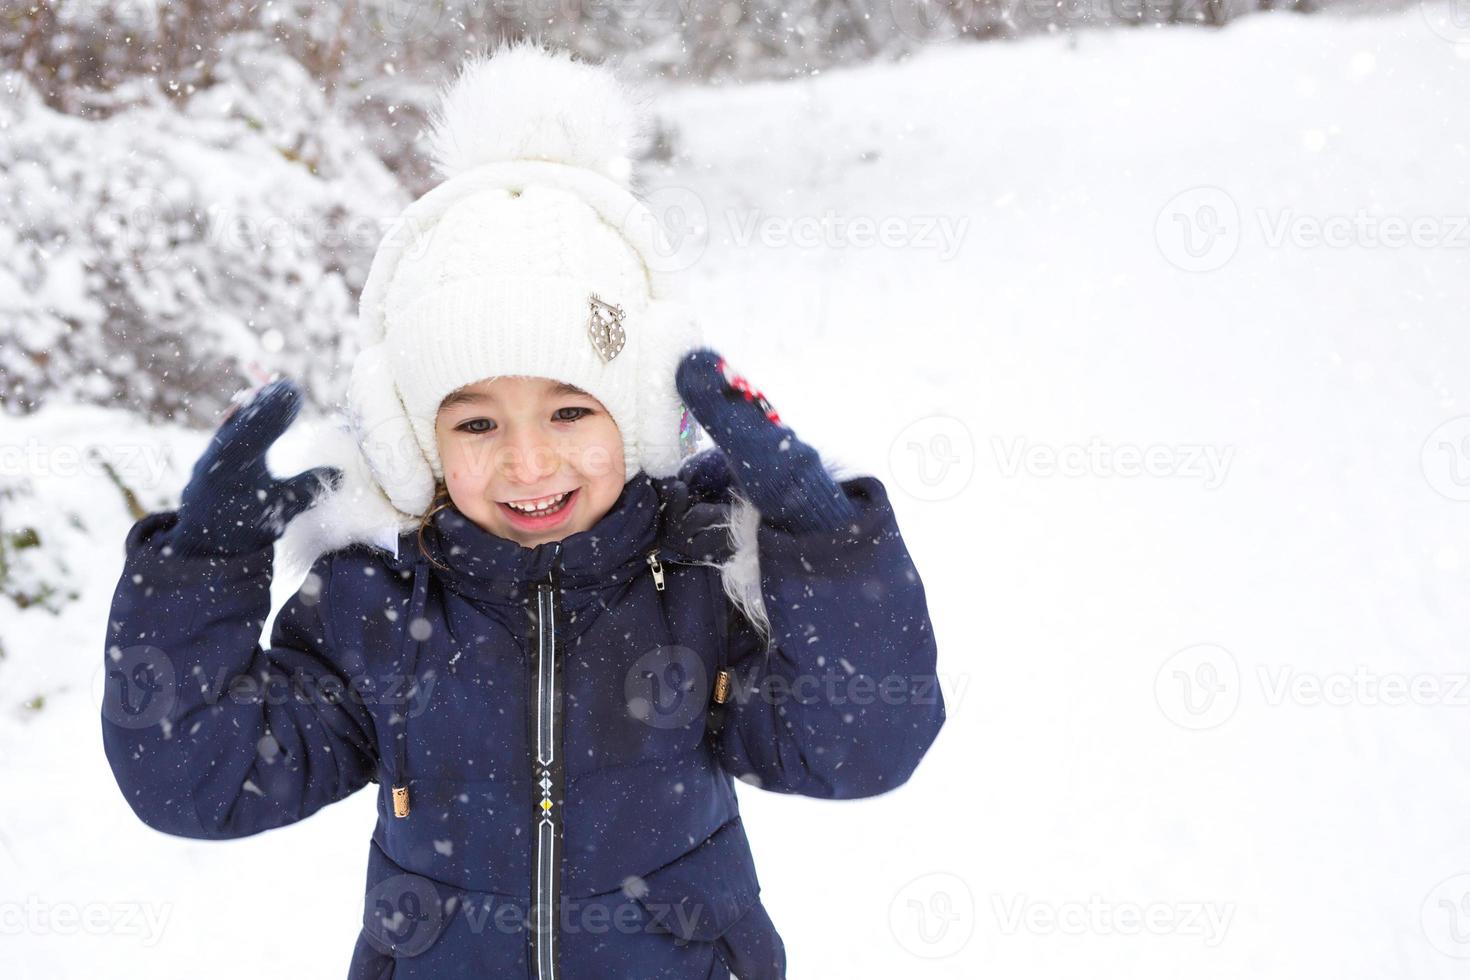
[232, 504]
[780, 474]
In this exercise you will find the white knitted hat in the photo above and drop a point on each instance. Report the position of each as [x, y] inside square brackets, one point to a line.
[531, 258]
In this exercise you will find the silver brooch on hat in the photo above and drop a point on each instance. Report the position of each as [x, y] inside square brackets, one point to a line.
[605, 327]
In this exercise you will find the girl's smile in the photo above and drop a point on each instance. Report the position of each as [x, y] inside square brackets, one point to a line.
[541, 513]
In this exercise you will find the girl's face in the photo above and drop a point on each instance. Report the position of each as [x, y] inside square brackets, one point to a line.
[528, 441]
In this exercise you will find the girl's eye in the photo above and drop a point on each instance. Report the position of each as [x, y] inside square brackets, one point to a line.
[480, 427]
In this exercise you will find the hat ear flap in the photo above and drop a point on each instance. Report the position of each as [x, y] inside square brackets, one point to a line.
[667, 429]
[383, 431]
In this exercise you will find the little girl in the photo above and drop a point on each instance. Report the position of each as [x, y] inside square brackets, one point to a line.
[550, 631]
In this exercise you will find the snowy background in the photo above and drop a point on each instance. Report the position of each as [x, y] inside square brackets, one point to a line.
[1160, 341]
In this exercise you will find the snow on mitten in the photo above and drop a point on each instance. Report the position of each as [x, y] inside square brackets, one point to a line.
[781, 475]
[232, 504]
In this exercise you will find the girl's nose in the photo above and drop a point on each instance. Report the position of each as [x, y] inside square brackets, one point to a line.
[528, 460]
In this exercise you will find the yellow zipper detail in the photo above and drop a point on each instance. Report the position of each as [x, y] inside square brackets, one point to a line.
[400, 801]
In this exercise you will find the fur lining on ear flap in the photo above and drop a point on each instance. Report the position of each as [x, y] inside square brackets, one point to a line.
[740, 575]
[386, 436]
[356, 512]
[527, 102]
[667, 330]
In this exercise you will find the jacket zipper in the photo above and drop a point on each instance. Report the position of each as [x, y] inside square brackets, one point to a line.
[548, 772]
[547, 776]
[658, 570]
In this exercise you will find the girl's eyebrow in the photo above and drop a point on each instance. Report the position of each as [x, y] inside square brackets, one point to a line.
[472, 397]
[461, 398]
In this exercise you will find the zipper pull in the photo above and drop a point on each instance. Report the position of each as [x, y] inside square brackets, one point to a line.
[658, 570]
[400, 801]
[555, 557]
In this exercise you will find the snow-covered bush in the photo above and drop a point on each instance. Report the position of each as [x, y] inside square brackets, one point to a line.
[148, 255]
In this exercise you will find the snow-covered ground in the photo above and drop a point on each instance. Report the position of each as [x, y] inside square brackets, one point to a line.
[1207, 720]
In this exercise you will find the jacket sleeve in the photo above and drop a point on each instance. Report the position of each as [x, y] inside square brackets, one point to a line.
[208, 735]
[844, 701]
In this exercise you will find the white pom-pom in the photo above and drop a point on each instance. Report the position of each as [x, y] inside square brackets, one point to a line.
[525, 102]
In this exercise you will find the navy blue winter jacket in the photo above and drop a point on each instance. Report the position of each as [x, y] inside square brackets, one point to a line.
[563, 723]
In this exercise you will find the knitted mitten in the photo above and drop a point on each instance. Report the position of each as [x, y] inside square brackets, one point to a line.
[232, 504]
[707, 474]
[781, 475]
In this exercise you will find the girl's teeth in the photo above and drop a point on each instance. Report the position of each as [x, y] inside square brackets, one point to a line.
[545, 505]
